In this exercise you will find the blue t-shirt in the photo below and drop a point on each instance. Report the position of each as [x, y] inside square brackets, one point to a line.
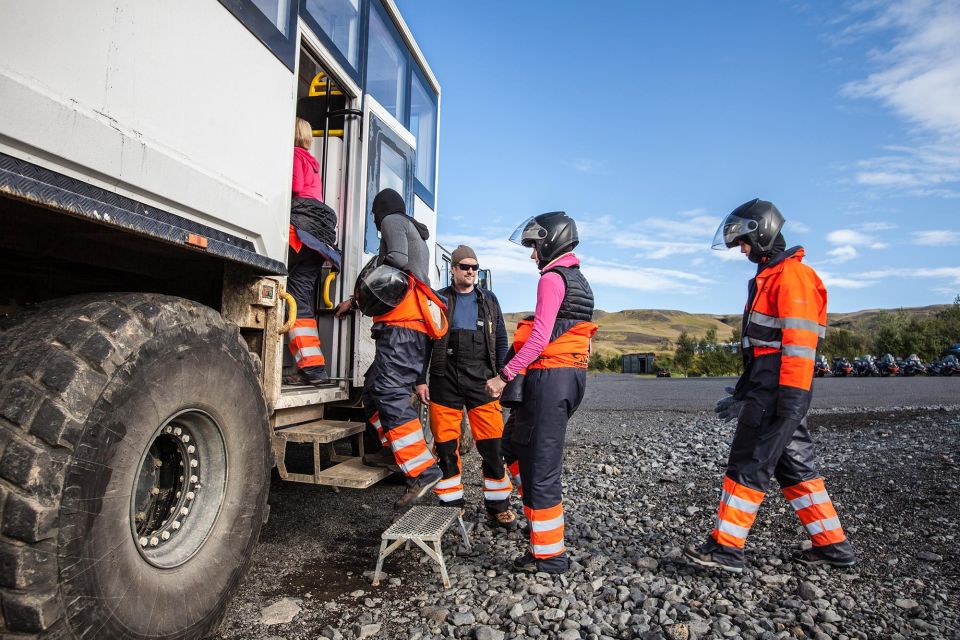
[465, 313]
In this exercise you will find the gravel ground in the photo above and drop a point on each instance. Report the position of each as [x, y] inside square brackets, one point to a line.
[641, 483]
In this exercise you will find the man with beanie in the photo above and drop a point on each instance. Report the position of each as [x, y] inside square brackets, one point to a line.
[460, 364]
[784, 323]
[402, 335]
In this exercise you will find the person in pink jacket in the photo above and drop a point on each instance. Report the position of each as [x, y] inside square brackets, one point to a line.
[304, 268]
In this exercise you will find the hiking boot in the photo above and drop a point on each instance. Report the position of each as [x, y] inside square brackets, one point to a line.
[505, 519]
[708, 559]
[525, 563]
[416, 493]
[383, 458]
[528, 564]
[815, 556]
[316, 376]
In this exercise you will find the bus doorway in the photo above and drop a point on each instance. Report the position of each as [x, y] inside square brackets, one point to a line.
[327, 105]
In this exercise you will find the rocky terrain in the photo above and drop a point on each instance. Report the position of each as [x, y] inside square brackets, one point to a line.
[639, 485]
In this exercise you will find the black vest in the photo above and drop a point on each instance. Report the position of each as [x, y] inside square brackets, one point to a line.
[487, 313]
[578, 296]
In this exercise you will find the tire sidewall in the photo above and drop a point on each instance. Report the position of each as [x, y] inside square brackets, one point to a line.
[108, 588]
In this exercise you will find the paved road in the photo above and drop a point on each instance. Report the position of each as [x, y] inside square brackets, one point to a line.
[625, 392]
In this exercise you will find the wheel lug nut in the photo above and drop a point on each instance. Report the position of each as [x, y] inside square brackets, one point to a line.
[193, 479]
[177, 431]
[165, 535]
[193, 463]
[169, 429]
[140, 517]
[191, 449]
[155, 491]
[178, 494]
[185, 438]
[175, 526]
[190, 495]
[144, 542]
[158, 463]
[184, 511]
[154, 541]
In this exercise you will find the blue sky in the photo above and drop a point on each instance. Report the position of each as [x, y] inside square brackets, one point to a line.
[648, 122]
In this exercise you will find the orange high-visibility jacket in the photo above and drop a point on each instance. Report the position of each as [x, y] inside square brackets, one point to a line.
[569, 345]
[784, 322]
[413, 312]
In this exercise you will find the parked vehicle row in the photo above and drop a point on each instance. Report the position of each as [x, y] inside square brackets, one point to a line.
[886, 366]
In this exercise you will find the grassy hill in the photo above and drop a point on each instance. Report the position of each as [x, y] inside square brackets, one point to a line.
[656, 330]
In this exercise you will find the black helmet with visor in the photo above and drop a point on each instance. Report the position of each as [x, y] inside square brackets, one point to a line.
[552, 234]
[758, 223]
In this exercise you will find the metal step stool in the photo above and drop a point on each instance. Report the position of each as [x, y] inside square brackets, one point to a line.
[424, 526]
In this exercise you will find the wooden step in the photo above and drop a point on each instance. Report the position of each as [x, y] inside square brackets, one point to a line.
[353, 474]
[322, 431]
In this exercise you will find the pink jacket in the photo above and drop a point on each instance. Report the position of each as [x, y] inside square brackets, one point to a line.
[306, 175]
[550, 292]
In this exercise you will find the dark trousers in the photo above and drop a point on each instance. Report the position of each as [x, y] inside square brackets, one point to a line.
[536, 437]
[782, 449]
[387, 398]
[462, 387]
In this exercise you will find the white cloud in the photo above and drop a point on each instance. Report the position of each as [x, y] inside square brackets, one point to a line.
[853, 238]
[936, 238]
[833, 281]
[866, 279]
[878, 226]
[917, 75]
[630, 276]
[794, 225]
[844, 253]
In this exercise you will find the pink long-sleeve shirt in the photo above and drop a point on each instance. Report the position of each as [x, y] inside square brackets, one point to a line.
[550, 292]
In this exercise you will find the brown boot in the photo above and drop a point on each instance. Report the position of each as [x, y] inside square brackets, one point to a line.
[504, 519]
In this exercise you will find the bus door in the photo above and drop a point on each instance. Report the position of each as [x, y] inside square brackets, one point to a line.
[389, 156]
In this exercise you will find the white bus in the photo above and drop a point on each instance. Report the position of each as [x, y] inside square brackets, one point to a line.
[145, 171]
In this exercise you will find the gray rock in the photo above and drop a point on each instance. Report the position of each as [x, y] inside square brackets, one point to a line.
[516, 612]
[809, 591]
[331, 633]
[569, 634]
[462, 618]
[488, 633]
[280, 612]
[437, 615]
[829, 615]
[906, 603]
[929, 556]
[537, 589]
[368, 630]
[648, 564]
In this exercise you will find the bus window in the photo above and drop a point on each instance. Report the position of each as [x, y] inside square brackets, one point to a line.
[423, 126]
[386, 65]
[339, 21]
[276, 12]
[273, 22]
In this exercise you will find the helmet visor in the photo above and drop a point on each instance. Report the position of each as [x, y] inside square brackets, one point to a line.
[528, 233]
[732, 230]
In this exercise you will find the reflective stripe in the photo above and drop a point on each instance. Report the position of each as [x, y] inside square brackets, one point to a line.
[449, 483]
[500, 494]
[303, 332]
[410, 465]
[809, 500]
[407, 440]
[755, 342]
[556, 548]
[732, 529]
[306, 352]
[546, 525]
[819, 526]
[496, 484]
[803, 323]
[764, 320]
[800, 352]
[450, 497]
[739, 503]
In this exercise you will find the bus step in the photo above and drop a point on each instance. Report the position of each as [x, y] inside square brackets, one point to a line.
[353, 474]
[321, 431]
[346, 471]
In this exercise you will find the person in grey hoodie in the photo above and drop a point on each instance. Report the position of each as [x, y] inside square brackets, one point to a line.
[402, 336]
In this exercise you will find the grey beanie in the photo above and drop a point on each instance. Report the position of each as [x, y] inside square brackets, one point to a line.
[461, 252]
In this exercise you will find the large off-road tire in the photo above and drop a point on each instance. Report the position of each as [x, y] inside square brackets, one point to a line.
[103, 534]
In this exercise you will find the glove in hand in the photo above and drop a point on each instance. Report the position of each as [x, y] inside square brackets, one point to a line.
[728, 408]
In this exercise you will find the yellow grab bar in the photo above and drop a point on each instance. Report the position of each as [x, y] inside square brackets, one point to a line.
[327, 283]
[291, 311]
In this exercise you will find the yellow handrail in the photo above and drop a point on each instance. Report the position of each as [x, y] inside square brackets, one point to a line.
[328, 281]
[291, 311]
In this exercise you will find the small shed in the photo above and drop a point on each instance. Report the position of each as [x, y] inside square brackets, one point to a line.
[637, 362]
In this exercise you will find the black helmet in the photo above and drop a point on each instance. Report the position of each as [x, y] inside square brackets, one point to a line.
[757, 223]
[380, 289]
[553, 234]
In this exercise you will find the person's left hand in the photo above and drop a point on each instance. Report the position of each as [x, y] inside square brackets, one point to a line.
[495, 386]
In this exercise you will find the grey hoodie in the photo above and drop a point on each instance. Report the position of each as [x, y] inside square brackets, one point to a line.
[403, 246]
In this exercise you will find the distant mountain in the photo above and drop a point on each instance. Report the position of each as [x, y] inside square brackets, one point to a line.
[656, 330]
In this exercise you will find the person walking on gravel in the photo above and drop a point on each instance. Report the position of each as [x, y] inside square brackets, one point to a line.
[460, 363]
[784, 323]
[552, 351]
[402, 334]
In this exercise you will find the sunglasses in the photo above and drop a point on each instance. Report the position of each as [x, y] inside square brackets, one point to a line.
[468, 267]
